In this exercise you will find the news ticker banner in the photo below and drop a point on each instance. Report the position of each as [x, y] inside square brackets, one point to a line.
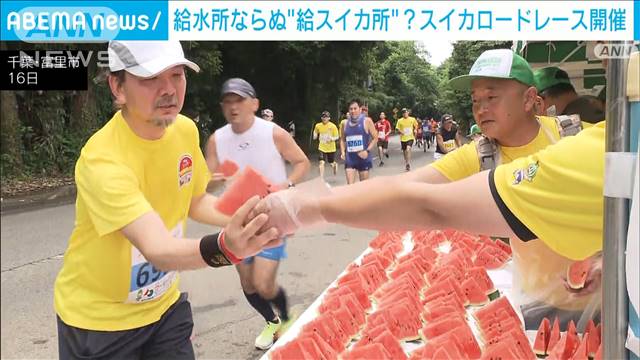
[83, 21]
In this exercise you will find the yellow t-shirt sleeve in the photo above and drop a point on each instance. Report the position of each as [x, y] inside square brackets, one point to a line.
[111, 193]
[334, 132]
[459, 164]
[557, 193]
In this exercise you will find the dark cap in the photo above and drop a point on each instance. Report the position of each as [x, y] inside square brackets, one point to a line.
[239, 87]
[325, 114]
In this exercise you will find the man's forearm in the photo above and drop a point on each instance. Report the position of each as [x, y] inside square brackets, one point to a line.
[204, 211]
[413, 205]
[298, 171]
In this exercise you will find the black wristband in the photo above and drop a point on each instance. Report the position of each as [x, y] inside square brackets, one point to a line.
[211, 252]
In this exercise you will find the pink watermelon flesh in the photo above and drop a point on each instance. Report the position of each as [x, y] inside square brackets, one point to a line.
[290, 351]
[371, 351]
[310, 347]
[491, 257]
[248, 184]
[442, 326]
[598, 355]
[499, 351]
[581, 352]
[228, 168]
[541, 342]
[503, 246]
[577, 273]
[473, 292]
[594, 339]
[391, 344]
[554, 336]
[479, 274]
[328, 353]
[468, 341]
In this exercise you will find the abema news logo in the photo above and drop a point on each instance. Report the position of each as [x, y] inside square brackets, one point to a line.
[84, 21]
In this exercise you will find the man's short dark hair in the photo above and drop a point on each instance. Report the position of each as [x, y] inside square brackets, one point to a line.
[357, 101]
[558, 90]
[589, 107]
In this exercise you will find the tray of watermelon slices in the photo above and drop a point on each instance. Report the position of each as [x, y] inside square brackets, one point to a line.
[426, 295]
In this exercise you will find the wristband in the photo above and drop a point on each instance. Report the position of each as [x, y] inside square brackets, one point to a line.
[211, 252]
[225, 250]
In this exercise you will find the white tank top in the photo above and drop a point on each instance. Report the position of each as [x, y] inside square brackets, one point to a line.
[254, 147]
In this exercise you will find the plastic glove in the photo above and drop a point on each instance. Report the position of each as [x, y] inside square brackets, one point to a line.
[294, 208]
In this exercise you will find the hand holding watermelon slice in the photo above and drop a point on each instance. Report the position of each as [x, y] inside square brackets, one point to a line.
[584, 277]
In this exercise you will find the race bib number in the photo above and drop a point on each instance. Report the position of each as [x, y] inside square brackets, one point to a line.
[381, 134]
[407, 131]
[449, 145]
[355, 143]
[147, 282]
[325, 138]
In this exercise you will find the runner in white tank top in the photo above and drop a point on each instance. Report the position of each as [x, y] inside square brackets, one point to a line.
[250, 141]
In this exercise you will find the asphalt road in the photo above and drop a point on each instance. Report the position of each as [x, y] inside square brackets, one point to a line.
[225, 325]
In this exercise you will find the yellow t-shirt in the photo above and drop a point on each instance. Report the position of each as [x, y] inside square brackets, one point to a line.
[341, 126]
[464, 162]
[560, 200]
[557, 196]
[327, 136]
[105, 283]
[407, 126]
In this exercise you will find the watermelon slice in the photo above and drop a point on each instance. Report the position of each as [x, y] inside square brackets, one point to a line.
[598, 355]
[439, 272]
[554, 336]
[444, 341]
[491, 257]
[500, 351]
[581, 352]
[248, 184]
[490, 310]
[503, 246]
[442, 326]
[577, 273]
[227, 168]
[448, 285]
[391, 344]
[495, 330]
[371, 351]
[310, 347]
[326, 332]
[436, 312]
[473, 293]
[467, 341]
[479, 274]
[541, 343]
[521, 341]
[385, 258]
[346, 321]
[327, 352]
[594, 338]
[564, 348]
[290, 351]
[352, 287]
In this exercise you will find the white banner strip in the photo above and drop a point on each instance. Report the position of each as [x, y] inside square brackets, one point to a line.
[401, 20]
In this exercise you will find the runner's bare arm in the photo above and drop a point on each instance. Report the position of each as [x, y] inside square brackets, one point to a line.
[212, 162]
[417, 206]
[292, 153]
[149, 234]
[440, 142]
[371, 127]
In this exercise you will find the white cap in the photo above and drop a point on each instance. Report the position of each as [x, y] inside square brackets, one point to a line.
[147, 59]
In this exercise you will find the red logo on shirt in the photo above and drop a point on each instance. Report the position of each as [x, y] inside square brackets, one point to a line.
[185, 169]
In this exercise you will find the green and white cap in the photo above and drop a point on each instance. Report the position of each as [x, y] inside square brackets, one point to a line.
[498, 64]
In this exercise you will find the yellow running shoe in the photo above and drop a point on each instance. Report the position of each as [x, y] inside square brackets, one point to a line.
[286, 325]
[268, 335]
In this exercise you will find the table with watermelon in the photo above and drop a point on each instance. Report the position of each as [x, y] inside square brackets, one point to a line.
[427, 295]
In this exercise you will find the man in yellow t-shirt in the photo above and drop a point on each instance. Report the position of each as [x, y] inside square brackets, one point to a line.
[138, 179]
[407, 127]
[504, 96]
[326, 133]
